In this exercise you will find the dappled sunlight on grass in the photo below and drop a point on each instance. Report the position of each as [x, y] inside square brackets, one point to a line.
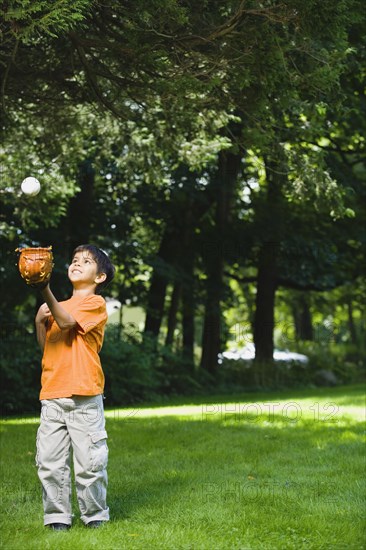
[20, 420]
[328, 408]
[270, 472]
[141, 412]
[321, 404]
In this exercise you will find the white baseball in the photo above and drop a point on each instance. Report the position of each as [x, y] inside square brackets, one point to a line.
[31, 186]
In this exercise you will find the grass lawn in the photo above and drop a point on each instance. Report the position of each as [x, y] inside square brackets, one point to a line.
[251, 471]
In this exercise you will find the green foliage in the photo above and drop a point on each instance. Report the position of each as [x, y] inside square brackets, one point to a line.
[346, 361]
[178, 376]
[30, 19]
[147, 98]
[130, 369]
[141, 370]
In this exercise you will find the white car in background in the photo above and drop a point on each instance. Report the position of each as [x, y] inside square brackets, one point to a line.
[247, 353]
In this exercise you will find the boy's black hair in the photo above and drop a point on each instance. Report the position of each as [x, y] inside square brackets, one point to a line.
[103, 262]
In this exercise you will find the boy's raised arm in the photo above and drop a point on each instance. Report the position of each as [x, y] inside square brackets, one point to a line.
[41, 334]
[61, 316]
[41, 324]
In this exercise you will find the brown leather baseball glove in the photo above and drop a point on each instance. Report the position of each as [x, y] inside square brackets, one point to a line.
[35, 266]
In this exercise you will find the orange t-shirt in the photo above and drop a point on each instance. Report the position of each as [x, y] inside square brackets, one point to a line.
[71, 364]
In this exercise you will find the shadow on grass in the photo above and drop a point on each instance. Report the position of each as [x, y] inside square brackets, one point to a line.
[230, 461]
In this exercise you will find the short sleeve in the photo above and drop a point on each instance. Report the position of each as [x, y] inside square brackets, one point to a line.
[89, 313]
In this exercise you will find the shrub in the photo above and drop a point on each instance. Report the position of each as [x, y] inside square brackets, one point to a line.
[177, 375]
[139, 369]
[20, 370]
[129, 369]
[345, 361]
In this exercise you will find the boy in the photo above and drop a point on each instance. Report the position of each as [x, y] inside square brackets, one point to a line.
[70, 333]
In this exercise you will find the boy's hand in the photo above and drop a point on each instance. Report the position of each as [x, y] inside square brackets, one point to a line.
[43, 314]
[40, 286]
[41, 320]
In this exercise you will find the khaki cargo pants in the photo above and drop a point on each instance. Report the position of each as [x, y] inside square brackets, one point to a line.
[76, 423]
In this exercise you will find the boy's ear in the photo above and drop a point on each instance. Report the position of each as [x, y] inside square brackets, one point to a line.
[100, 278]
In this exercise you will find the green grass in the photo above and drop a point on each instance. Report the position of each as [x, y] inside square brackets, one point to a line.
[252, 471]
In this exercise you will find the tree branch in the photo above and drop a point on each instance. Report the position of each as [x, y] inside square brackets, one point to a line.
[276, 14]
[93, 80]
[336, 148]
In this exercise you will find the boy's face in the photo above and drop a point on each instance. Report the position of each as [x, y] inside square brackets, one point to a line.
[83, 270]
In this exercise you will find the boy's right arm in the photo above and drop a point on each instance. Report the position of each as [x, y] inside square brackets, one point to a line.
[64, 320]
[41, 322]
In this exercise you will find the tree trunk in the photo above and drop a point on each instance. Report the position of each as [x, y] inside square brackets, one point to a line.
[155, 305]
[265, 302]
[80, 209]
[187, 262]
[158, 285]
[351, 323]
[303, 320]
[211, 338]
[75, 227]
[271, 221]
[225, 180]
[188, 324]
[173, 311]
[174, 251]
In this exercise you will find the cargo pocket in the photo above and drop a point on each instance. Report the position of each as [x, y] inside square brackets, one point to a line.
[98, 450]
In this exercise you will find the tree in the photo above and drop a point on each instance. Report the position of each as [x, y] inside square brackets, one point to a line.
[169, 81]
[224, 182]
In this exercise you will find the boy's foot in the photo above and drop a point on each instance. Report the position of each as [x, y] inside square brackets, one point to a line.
[58, 526]
[95, 524]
